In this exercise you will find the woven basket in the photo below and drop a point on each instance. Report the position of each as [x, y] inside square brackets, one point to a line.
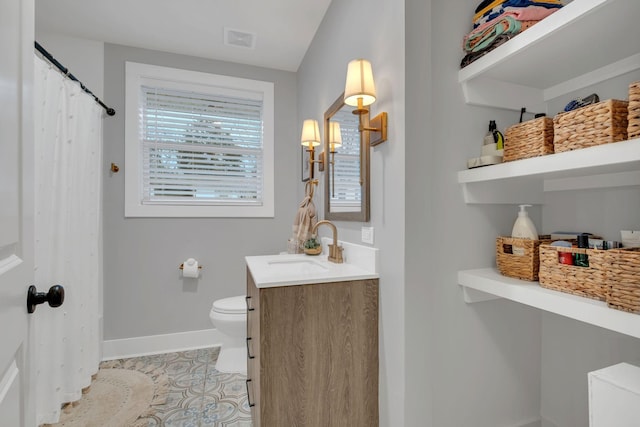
[595, 124]
[582, 281]
[532, 138]
[633, 117]
[518, 258]
[623, 279]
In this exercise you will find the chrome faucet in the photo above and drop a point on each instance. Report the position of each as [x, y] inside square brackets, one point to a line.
[335, 251]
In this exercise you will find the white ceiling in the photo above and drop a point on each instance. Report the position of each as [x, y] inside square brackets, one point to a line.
[283, 28]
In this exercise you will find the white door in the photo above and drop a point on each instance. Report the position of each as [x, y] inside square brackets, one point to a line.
[16, 209]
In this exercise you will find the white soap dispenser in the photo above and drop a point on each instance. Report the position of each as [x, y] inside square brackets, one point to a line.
[524, 227]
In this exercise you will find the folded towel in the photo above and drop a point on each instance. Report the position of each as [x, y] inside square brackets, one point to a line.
[481, 39]
[530, 13]
[524, 25]
[487, 5]
[497, 41]
[524, 3]
[497, 7]
[483, 5]
[494, 4]
[471, 57]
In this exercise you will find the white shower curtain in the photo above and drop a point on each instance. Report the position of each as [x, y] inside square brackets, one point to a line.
[68, 138]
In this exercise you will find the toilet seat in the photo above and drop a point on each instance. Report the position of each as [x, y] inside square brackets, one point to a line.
[232, 305]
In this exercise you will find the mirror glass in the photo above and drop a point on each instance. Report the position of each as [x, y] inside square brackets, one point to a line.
[346, 152]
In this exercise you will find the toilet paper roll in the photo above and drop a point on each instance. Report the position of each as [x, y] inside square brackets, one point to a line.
[190, 269]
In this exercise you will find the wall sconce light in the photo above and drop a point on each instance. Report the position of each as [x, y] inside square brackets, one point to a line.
[310, 138]
[335, 136]
[335, 141]
[360, 91]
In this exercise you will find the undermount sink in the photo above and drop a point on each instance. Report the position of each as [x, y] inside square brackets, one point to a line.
[296, 266]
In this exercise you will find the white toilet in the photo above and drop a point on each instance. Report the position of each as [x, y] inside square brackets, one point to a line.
[229, 316]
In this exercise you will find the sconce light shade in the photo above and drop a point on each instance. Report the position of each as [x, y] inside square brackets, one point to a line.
[310, 133]
[335, 135]
[359, 83]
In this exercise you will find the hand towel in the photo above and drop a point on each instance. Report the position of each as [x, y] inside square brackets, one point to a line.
[305, 219]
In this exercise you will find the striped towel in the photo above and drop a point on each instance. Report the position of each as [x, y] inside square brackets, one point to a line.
[495, 8]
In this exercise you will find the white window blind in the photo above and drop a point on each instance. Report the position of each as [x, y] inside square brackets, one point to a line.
[200, 148]
[197, 144]
[346, 190]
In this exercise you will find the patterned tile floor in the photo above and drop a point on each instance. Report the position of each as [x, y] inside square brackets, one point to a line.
[200, 396]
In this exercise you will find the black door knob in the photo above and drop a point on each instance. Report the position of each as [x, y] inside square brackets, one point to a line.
[55, 297]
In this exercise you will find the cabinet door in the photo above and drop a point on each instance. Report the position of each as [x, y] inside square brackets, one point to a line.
[319, 355]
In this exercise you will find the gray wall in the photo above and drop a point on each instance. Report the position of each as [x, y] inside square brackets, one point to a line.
[374, 30]
[144, 293]
[419, 294]
[483, 360]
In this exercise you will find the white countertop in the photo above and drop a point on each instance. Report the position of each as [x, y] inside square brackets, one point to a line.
[300, 269]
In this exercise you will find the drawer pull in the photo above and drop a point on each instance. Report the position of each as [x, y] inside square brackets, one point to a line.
[249, 308]
[249, 351]
[251, 405]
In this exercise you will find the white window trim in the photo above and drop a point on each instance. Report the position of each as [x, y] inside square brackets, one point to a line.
[136, 74]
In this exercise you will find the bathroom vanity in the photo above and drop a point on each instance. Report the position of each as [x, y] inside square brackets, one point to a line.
[312, 342]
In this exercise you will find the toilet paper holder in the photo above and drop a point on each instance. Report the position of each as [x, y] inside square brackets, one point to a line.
[182, 267]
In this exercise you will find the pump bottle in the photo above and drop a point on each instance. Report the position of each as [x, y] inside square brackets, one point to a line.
[524, 227]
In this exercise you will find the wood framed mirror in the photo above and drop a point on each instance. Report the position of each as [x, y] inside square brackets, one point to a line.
[346, 189]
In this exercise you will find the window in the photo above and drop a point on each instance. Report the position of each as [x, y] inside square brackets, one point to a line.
[197, 144]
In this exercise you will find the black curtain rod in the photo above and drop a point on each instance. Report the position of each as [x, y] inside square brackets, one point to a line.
[65, 71]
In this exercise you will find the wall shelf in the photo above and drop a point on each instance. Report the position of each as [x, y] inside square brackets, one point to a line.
[486, 284]
[560, 47]
[526, 180]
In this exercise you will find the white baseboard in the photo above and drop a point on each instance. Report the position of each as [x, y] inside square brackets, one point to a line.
[531, 423]
[546, 423]
[156, 344]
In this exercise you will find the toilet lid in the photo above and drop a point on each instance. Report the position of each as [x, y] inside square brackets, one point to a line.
[231, 305]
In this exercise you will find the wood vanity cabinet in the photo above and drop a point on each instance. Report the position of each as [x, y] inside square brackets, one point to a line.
[313, 354]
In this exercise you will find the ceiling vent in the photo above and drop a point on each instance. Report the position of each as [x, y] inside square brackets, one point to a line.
[239, 38]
